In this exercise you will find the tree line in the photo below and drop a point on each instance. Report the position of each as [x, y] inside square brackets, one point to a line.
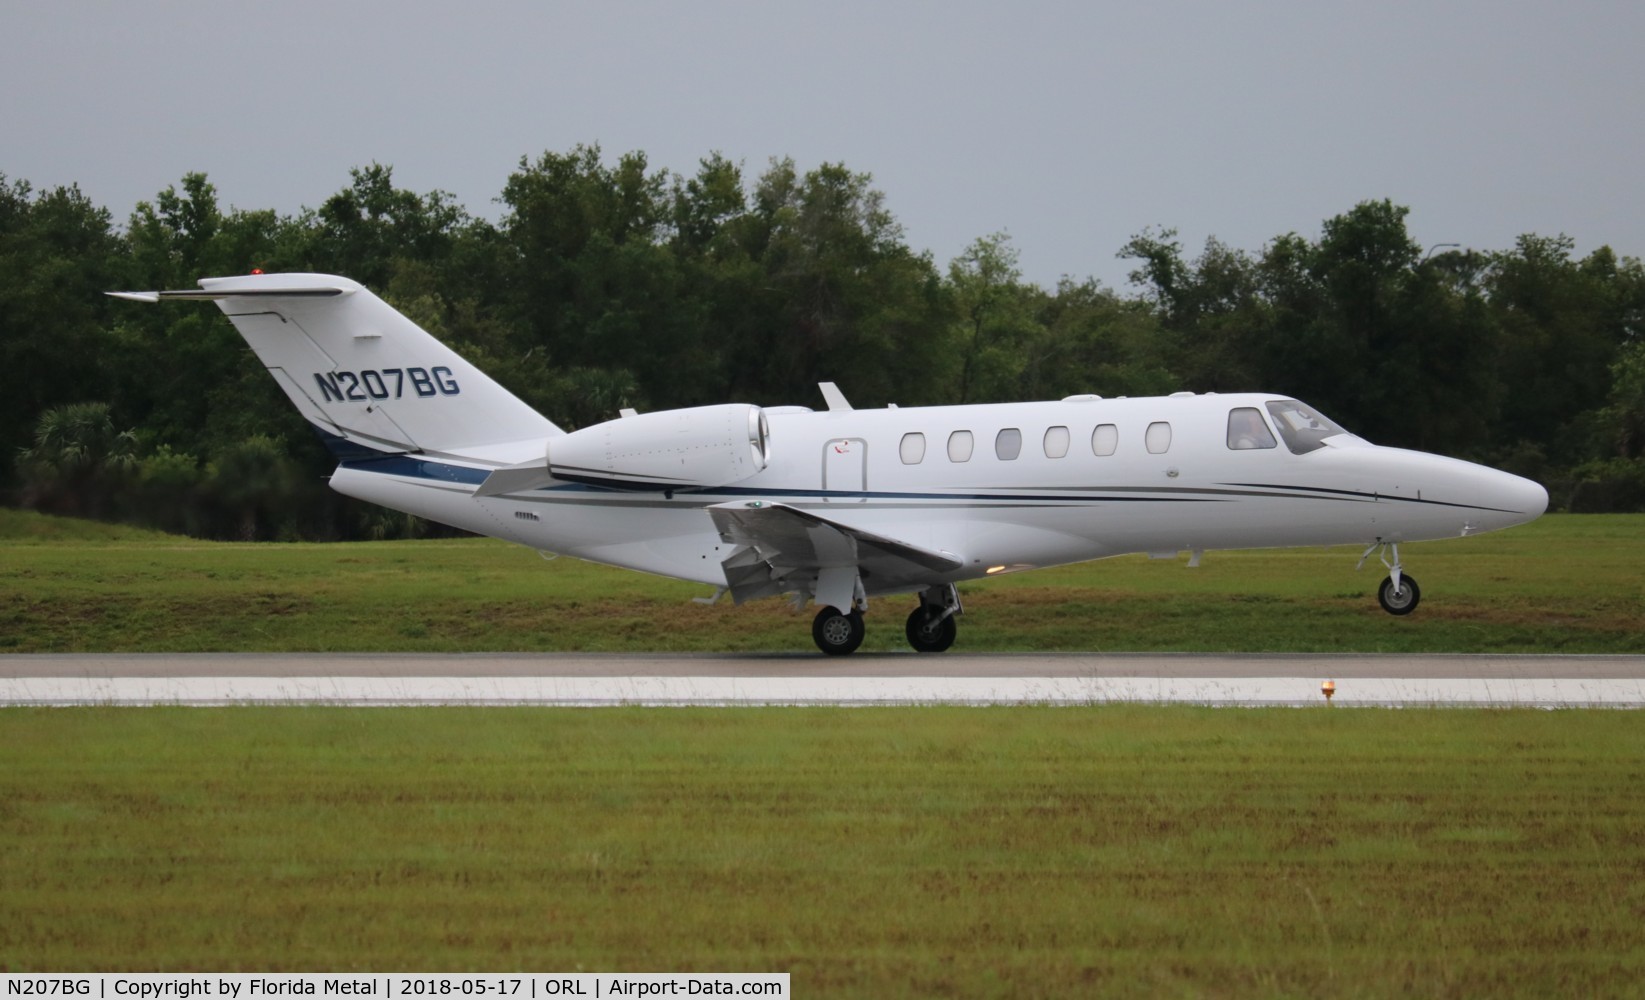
[610, 284]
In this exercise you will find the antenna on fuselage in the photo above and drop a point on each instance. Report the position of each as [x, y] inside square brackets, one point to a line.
[836, 399]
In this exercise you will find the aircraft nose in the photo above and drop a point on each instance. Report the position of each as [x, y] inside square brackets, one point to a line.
[1521, 500]
[1534, 497]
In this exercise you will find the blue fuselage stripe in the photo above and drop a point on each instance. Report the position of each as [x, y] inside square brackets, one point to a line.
[412, 467]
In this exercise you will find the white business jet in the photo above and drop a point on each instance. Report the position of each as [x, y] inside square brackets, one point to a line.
[842, 505]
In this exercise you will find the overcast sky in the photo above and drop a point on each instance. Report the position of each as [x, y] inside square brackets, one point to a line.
[1070, 126]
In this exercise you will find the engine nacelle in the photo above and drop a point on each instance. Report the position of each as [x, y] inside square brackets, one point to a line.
[702, 446]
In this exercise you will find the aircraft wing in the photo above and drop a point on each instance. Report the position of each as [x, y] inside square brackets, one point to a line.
[782, 548]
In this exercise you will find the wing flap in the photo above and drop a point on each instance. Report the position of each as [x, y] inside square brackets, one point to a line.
[782, 548]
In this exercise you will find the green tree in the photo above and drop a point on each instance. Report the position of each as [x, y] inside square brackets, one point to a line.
[997, 330]
[78, 461]
[1098, 342]
[166, 494]
[172, 237]
[1625, 409]
[371, 230]
[1213, 318]
[257, 483]
[1161, 271]
[58, 254]
[1562, 322]
[705, 207]
[1361, 262]
[591, 278]
[184, 374]
[843, 297]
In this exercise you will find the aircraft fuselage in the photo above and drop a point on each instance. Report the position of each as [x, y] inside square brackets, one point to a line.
[1058, 490]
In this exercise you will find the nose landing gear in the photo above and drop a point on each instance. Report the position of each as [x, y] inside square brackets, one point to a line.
[931, 626]
[1399, 598]
[930, 631]
[1399, 593]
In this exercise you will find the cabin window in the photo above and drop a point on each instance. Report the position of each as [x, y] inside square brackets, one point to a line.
[1246, 430]
[912, 448]
[1056, 442]
[1008, 444]
[1158, 438]
[959, 446]
[1105, 440]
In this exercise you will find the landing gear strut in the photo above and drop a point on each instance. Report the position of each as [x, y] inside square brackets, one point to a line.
[1399, 593]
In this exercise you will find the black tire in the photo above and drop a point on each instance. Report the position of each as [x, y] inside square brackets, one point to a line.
[1400, 602]
[927, 634]
[837, 634]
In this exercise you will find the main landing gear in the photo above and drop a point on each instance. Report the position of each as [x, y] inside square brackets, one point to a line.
[931, 627]
[1399, 593]
[837, 632]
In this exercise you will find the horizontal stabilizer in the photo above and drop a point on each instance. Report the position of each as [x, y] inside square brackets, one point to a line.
[213, 294]
[515, 479]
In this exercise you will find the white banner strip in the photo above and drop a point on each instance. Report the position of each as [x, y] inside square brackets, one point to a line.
[391, 986]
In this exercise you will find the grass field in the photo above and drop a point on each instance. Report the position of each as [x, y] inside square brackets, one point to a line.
[1561, 584]
[873, 853]
[1028, 851]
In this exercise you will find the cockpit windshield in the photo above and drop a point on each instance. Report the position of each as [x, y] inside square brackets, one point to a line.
[1303, 428]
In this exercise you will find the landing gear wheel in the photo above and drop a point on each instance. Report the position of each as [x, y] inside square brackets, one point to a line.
[929, 634]
[1402, 601]
[835, 633]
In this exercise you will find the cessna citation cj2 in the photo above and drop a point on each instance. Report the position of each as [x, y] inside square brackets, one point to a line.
[842, 505]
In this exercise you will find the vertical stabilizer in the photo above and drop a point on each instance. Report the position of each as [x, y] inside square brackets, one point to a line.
[363, 373]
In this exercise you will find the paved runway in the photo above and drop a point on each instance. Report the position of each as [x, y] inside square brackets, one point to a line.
[801, 679]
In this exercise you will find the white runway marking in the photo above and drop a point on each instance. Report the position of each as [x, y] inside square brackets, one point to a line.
[1570, 692]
